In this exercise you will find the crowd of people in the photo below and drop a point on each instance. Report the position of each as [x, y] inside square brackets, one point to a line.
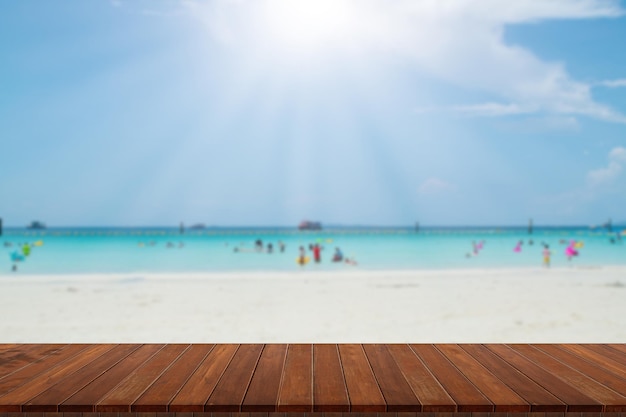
[314, 249]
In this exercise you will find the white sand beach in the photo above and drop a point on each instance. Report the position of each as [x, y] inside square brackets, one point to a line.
[500, 306]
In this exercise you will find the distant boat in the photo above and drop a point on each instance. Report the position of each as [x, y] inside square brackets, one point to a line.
[36, 225]
[307, 225]
[199, 226]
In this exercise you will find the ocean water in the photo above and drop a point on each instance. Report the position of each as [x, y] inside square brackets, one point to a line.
[136, 250]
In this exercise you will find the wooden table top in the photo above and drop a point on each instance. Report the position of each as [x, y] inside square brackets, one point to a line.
[299, 378]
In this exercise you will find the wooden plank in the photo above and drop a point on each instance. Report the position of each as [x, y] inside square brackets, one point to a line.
[8, 346]
[503, 397]
[363, 390]
[296, 393]
[15, 357]
[198, 389]
[24, 374]
[576, 400]
[262, 395]
[467, 397]
[329, 386]
[613, 402]
[127, 391]
[231, 389]
[394, 387]
[619, 347]
[610, 353]
[12, 402]
[86, 399]
[596, 358]
[158, 396]
[574, 361]
[539, 399]
[49, 400]
[429, 392]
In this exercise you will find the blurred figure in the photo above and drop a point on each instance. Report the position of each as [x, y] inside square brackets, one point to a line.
[302, 259]
[317, 253]
[270, 248]
[546, 256]
[338, 256]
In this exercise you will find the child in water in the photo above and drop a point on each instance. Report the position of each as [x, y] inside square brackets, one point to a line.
[546, 256]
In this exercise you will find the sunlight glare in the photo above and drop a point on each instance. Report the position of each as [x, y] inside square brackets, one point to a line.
[305, 26]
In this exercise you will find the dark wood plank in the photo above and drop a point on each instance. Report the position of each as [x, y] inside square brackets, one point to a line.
[262, 395]
[8, 346]
[199, 387]
[15, 357]
[45, 364]
[86, 399]
[128, 390]
[363, 390]
[576, 400]
[618, 347]
[231, 389]
[596, 358]
[296, 393]
[329, 386]
[610, 353]
[503, 397]
[49, 400]
[613, 402]
[467, 397]
[12, 402]
[158, 396]
[574, 361]
[394, 387]
[430, 393]
[539, 399]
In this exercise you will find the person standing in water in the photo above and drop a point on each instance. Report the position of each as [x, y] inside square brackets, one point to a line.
[317, 253]
[302, 256]
[546, 256]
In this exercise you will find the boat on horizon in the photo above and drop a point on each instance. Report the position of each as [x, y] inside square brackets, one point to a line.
[308, 225]
[36, 225]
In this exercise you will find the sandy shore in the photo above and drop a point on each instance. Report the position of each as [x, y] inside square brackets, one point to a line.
[523, 305]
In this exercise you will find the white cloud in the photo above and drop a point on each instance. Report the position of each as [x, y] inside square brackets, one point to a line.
[614, 83]
[618, 154]
[493, 109]
[435, 186]
[606, 175]
[460, 42]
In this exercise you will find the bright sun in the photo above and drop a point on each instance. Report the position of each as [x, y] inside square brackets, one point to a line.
[311, 25]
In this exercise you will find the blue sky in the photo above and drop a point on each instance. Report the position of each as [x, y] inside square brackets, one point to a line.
[241, 112]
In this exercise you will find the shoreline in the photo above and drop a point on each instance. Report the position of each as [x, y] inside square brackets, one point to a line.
[326, 272]
[513, 305]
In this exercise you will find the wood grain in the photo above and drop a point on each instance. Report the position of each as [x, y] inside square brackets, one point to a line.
[363, 390]
[279, 380]
[130, 388]
[329, 386]
[296, 393]
[467, 397]
[196, 392]
[503, 397]
[231, 389]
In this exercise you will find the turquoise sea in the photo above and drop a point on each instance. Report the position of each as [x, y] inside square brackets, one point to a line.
[135, 250]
